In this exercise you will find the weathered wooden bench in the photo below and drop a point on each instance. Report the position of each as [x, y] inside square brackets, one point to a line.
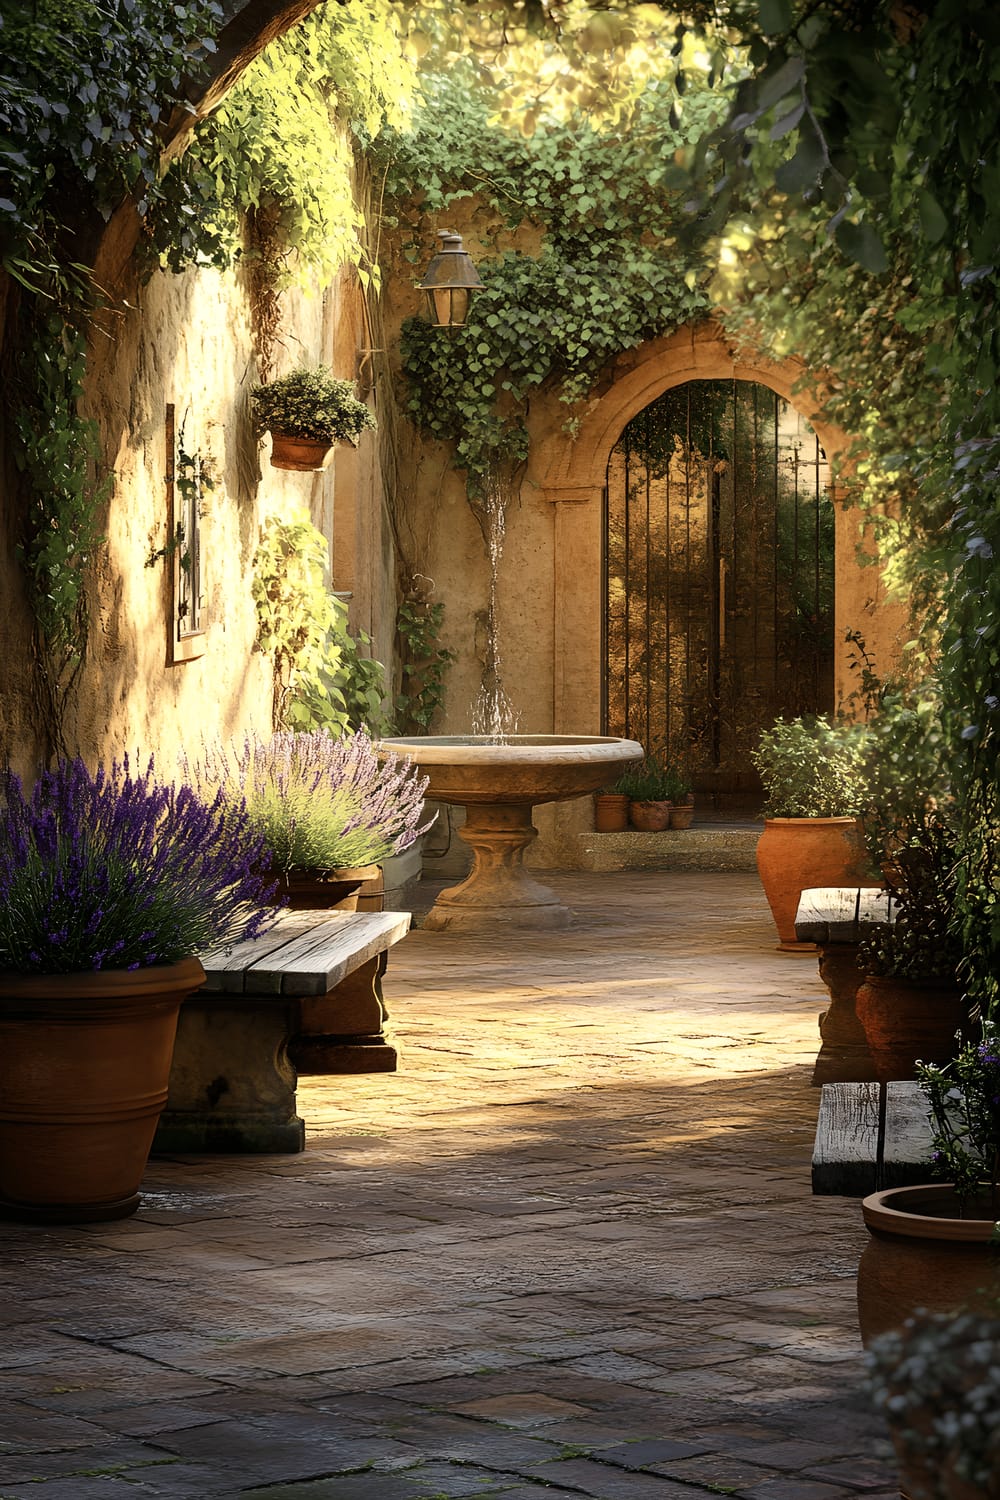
[834, 918]
[871, 1136]
[307, 996]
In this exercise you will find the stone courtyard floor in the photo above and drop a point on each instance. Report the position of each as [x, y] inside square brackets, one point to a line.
[569, 1249]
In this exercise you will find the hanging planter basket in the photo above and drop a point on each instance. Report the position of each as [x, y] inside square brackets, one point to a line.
[302, 455]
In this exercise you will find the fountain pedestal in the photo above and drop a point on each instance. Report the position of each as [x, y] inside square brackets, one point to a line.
[498, 891]
[498, 782]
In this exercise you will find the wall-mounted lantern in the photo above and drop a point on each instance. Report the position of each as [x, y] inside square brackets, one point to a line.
[450, 282]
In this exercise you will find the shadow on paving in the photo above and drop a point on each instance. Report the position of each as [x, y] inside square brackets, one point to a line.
[558, 1264]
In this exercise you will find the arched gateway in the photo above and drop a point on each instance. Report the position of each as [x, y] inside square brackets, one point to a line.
[718, 576]
[574, 476]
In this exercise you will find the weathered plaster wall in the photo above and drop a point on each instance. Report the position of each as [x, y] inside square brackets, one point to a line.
[186, 340]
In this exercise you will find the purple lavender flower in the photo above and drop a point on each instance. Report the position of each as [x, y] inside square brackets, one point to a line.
[118, 870]
[319, 803]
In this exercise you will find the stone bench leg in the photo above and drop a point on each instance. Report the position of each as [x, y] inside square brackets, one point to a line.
[844, 1056]
[343, 1030]
[232, 1086]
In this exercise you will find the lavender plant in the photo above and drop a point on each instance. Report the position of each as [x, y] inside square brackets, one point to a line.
[317, 803]
[964, 1097]
[116, 870]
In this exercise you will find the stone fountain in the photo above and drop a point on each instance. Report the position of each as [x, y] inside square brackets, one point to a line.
[498, 780]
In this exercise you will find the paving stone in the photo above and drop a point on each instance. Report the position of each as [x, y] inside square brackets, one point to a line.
[718, 1469]
[336, 1487]
[582, 1476]
[863, 1473]
[797, 1489]
[640, 1455]
[530, 1409]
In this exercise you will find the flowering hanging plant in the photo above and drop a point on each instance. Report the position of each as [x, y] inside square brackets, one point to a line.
[118, 871]
[316, 802]
[964, 1097]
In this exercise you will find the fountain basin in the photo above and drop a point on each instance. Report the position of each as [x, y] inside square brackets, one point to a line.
[498, 782]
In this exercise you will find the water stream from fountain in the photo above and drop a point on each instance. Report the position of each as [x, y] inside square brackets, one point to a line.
[493, 713]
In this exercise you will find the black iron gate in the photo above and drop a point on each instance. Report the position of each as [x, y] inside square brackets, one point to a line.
[719, 577]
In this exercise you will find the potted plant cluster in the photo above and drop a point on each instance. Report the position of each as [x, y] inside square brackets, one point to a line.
[909, 1001]
[937, 1382]
[306, 413]
[110, 886]
[813, 776]
[326, 810]
[936, 1245]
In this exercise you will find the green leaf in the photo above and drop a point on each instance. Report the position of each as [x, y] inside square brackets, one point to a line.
[862, 244]
[775, 16]
[806, 166]
[932, 217]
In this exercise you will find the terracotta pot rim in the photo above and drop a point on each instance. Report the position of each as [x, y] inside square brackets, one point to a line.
[103, 985]
[812, 822]
[332, 873]
[898, 1211]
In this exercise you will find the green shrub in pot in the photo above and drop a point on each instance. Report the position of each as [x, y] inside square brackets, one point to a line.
[812, 768]
[313, 405]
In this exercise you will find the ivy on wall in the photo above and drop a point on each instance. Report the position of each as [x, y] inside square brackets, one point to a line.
[609, 274]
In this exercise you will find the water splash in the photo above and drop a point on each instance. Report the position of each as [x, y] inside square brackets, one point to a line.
[493, 712]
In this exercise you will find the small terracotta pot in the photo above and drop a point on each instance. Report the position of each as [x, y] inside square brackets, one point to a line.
[650, 817]
[610, 812]
[795, 854]
[907, 1019]
[923, 1253]
[323, 890]
[300, 454]
[681, 814]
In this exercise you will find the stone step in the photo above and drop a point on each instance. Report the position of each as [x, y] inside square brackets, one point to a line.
[703, 847]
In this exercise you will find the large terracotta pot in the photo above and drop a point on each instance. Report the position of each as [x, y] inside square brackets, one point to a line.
[923, 1253]
[299, 454]
[649, 817]
[907, 1019]
[323, 890]
[796, 854]
[84, 1068]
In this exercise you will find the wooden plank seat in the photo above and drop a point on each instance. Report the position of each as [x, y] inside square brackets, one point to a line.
[306, 997]
[871, 1136]
[834, 918]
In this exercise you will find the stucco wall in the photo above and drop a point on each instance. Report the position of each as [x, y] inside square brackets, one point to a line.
[186, 340]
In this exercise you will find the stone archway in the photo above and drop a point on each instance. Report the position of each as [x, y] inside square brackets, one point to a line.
[572, 475]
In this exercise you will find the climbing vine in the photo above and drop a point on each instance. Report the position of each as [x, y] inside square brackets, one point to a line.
[321, 678]
[609, 272]
[425, 662]
[270, 152]
[874, 245]
[57, 452]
